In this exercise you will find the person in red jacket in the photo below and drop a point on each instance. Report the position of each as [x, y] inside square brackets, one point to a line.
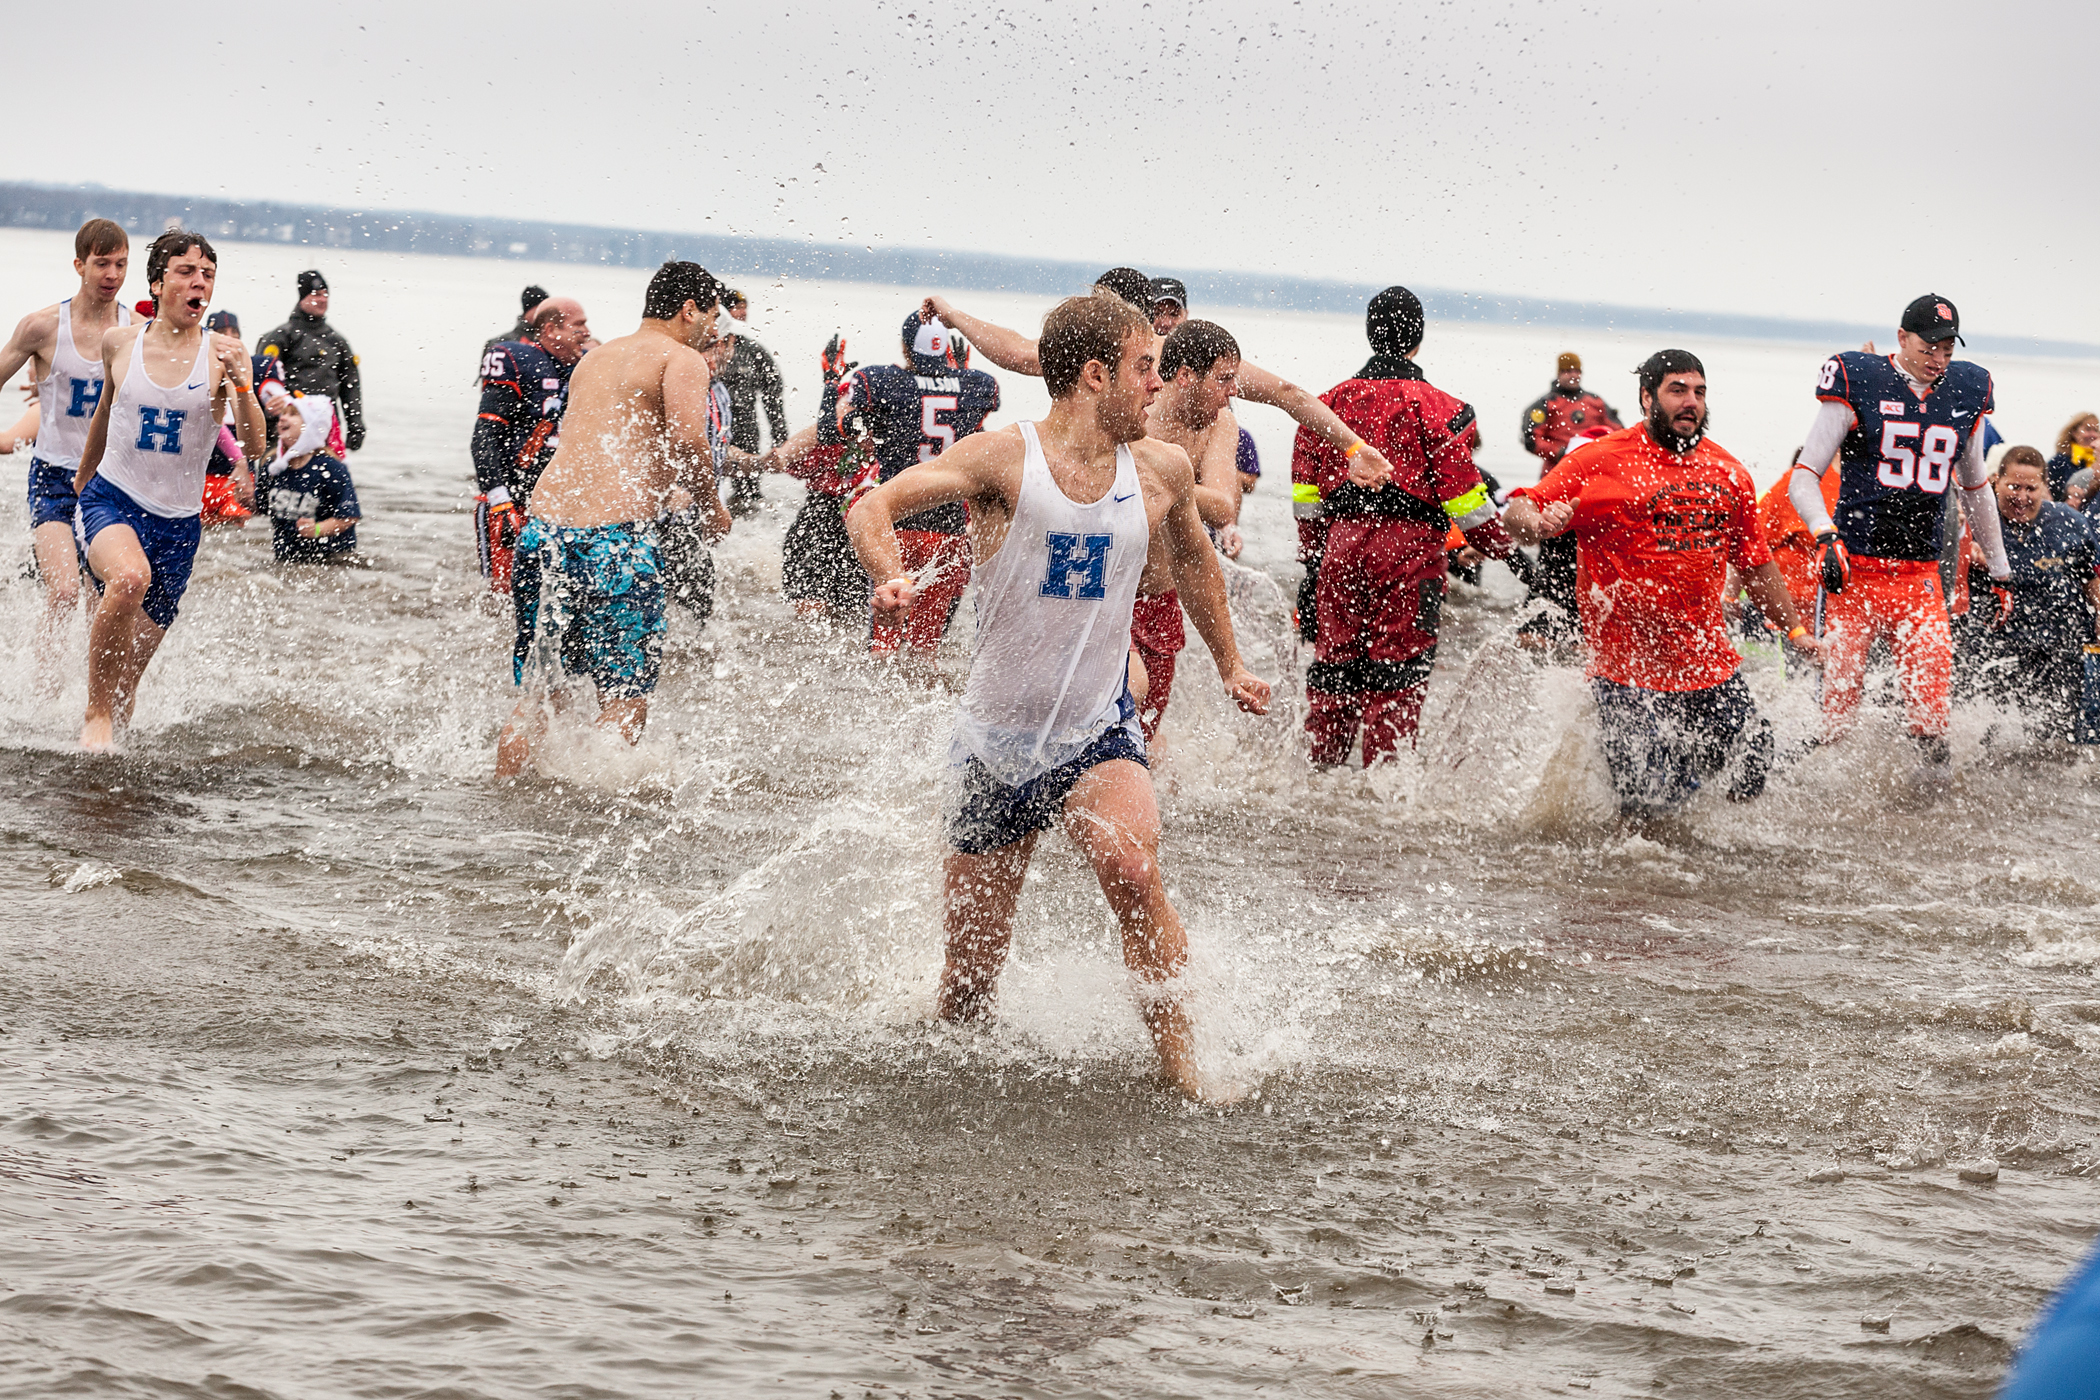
[1380, 588]
[1563, 412]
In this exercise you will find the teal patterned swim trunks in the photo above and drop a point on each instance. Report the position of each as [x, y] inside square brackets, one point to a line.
[592, 605]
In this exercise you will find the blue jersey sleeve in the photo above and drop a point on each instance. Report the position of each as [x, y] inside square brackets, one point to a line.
[339, 497]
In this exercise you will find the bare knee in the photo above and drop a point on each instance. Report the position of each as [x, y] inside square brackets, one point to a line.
[126, 587]
[1130, 866]
[62, 594]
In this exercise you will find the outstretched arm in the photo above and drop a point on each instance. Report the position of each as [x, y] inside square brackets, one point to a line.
[1201, 584]
[1367, 467]
[966, 471]
[1008, 349]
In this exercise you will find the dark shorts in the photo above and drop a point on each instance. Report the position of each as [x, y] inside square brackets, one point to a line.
[51, 496]
[688, 563]
[817, 562]
[170, 546]
[1661, 744]
[590, 602]
[985, 814]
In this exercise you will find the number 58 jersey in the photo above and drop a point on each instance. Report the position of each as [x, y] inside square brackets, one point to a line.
[1897, 463]
[914, 417]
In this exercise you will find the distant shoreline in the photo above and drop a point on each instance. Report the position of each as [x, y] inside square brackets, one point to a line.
[63, 208]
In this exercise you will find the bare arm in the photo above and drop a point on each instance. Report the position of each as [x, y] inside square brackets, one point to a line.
[1529, 523]
[1218, 474]
[1008, 349]
[237, 380]
[34, 332]
[23, 431]
[967, 471]
[1767, 588]
[98, 427]
[1367, 466]
[1201, 584]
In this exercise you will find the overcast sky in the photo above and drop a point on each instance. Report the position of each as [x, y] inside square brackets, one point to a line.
[1790, 159]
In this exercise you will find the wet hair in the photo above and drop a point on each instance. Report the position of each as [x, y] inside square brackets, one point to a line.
[1130, 284]
[1196, 345]
[2064, 441]
[1664, 363]
[98, 237]
[1393, 322]
[675, 284]
[1079, 330]
[172, 244]
[2023, 457]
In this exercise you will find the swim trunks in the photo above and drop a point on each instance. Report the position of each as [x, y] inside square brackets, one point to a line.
[51, 495]
[593, 606]
[170, 544]
[984, 814]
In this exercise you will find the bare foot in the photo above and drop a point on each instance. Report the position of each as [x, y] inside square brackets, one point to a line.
[97, 735]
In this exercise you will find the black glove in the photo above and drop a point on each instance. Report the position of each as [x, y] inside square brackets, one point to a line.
[1837, 564]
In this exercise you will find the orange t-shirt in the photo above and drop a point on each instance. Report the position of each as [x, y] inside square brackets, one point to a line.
[1787, 535]
[1654, 536]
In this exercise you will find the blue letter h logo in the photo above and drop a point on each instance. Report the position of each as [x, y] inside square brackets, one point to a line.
[84, 401]
[169, 433]
[1086, 555]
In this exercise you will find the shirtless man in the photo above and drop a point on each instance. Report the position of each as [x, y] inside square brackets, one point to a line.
[635, 430]
[62, 344]
[1200, 365]
[141, 475]
[1016, 353]
[1045, 730]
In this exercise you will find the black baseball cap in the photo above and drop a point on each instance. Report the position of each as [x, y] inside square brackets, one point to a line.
[1932, 317]
[1170, 289]
[223, 321]
[310, 282]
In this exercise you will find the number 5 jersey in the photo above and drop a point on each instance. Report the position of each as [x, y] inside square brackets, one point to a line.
[1902, 454]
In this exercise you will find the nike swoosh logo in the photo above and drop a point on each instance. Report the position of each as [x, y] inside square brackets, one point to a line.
[1120, 499]
[193, 386]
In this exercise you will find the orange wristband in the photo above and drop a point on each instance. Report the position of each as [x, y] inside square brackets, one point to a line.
[1350, 455]
[1797, 634]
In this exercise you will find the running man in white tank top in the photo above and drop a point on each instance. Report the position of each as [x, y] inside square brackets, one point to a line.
[1069, 519]
[141, 473]
[62, 345]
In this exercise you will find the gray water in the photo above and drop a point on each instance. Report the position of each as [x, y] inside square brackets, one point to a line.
[329, 1069]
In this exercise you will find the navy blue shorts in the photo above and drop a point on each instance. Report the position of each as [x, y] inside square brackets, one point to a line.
[51, 495]
[170, 545]
[986, 814]
[1661, 744]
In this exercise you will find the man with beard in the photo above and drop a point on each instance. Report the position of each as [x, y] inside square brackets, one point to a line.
[1660, 514]
[1379, 553]
[1069, 520]
[1900, 427]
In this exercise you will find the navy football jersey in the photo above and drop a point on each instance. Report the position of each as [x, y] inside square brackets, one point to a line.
[1899, 460]
[523, 392]
[914, 418]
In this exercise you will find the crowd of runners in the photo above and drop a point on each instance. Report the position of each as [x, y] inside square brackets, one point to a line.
[605, 474]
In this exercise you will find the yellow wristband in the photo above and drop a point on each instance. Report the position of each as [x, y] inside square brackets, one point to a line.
[1350, 454]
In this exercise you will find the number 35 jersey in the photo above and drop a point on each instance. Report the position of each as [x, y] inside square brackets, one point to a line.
[913, 418]
[1899, 459]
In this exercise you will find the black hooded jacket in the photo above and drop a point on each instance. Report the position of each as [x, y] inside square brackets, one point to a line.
[317, 360]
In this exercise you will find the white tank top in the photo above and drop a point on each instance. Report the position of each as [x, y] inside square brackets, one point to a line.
[160, 440]
[1053, 624]
[67, 396]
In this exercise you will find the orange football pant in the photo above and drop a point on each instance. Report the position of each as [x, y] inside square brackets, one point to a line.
[1897, 600]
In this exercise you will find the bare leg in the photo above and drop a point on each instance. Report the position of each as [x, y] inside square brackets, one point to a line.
[58, 568]
[1112, 817]
[979, 896]
[629, 716]
[121, 638]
